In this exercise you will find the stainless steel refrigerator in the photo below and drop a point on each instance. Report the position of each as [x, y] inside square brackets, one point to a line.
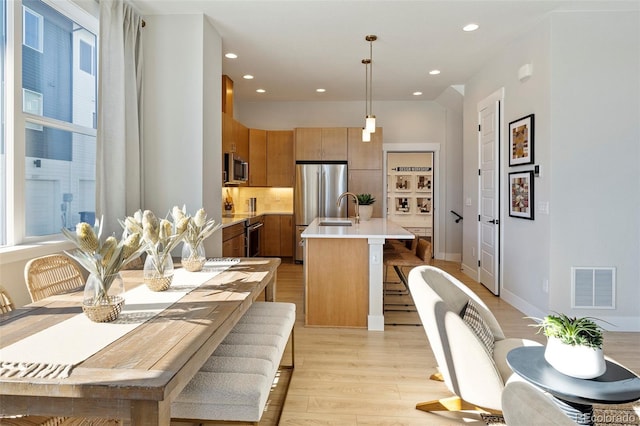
[318, 186]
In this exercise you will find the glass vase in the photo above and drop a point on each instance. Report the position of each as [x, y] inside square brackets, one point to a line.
[193, 258]
[103, 297]
[158, 271]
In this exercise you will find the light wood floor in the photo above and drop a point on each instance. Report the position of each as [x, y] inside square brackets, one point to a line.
[357, 377]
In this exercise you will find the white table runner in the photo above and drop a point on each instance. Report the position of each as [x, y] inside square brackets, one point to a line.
[53, 352]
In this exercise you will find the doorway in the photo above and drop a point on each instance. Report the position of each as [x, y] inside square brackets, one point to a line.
[411, 192]
[489, 143]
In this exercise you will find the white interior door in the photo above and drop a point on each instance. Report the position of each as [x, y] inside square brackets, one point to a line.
[489, 195]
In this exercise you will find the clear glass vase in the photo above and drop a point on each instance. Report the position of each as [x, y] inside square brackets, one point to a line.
[193, 259]
[103, 297]
[158, 271]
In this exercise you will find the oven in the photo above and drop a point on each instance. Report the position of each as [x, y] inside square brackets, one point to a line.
[253, 231]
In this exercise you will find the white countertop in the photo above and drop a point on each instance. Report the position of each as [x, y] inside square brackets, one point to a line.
[372, 228]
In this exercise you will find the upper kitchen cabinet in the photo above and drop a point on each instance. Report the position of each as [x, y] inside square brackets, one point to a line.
[321, 144]
[227, 95]
[257, 157]
[235, 137]
[271, 160]
[280, 161]
[365, 155]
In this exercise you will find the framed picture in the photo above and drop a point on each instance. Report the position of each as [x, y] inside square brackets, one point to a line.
[521, 141]
[521, 195]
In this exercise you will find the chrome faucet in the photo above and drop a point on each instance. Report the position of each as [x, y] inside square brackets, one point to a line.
[346, 194]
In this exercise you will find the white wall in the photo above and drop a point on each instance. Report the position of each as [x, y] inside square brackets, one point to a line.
[182, 123]
[595, 151]
[584, 94]
[412, 122]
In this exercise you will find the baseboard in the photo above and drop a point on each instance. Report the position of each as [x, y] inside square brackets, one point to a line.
[470, 271]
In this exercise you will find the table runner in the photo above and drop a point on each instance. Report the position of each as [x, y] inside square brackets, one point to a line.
[53, 352]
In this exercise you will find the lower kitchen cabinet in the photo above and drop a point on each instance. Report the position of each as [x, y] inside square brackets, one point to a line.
[277, 235]
[233, 241]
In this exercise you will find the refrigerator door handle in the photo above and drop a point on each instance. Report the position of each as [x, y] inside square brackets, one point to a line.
[321, 192]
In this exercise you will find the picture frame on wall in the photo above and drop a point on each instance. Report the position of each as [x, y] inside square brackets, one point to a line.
[521, 140]
[521, 195]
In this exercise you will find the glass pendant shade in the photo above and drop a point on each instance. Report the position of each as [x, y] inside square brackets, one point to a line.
[366, 136]
[370, 124]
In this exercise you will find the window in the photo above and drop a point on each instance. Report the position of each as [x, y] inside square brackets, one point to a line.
[32, 29]
[86, 57]
[32, 104]
[54, 127]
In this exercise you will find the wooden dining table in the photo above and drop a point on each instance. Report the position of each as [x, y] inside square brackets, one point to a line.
[136, 377]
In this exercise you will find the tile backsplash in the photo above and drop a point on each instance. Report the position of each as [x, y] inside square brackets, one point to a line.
[267, 199]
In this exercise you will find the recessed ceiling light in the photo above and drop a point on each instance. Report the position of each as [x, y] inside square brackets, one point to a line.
[434, 72]
[320, 90]
[247, 77]
[231, 55]
[261, 91]
[470, 27]
[417, 93]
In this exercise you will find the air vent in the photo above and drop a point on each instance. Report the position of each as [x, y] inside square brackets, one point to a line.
[593, 288]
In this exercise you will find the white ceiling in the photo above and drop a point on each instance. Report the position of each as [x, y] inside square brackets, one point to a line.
[294, 47]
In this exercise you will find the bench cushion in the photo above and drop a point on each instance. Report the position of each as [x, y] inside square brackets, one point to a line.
[234, 383]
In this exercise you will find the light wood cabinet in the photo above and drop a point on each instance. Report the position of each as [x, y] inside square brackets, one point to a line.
[235, 137]
[277, 235]
[242, 140]
[365, 155]
[271, 160]
[258, 157]
[280, 161]
[367, 182]
[233, 240]
[316, 144]
[334, 143]
[336, 288]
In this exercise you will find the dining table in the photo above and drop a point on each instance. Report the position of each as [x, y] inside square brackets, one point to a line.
[136, 377]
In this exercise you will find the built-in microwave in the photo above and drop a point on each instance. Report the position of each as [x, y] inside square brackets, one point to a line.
[236, 170]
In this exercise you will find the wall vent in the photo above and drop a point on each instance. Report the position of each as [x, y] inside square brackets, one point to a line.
[593, 287]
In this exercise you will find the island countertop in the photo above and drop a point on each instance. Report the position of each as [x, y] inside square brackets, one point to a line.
[372, 228]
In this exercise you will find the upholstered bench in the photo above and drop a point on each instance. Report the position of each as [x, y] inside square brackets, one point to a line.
[234, 383]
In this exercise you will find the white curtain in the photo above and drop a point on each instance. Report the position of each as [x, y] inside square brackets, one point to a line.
[119, 170]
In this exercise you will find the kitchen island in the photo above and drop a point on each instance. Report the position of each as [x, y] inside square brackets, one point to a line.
[344, 271]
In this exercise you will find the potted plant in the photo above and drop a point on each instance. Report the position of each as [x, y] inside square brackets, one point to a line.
[574, 345]
[365, 202]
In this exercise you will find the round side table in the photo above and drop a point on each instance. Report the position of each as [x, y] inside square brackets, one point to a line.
[575, 396]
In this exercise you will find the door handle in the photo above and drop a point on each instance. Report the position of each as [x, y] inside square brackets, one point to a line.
[494, 221]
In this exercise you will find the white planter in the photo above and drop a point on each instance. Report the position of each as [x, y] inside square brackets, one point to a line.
[365, 212]
[575, 361]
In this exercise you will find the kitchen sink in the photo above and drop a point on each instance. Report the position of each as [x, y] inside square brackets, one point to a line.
[335, 222]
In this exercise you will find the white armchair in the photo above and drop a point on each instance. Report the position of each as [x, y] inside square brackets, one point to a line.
[474, 373]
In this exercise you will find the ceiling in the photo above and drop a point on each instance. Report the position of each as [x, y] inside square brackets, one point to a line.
[294, 47]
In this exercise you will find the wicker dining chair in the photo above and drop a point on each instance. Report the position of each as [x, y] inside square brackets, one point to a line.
[6, 304]
[52, 274]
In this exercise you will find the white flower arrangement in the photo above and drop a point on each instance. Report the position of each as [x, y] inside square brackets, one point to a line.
[104, 259]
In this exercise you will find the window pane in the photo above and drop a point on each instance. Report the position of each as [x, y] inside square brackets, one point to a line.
[59, 192]
[32, 27]
[68, 93]
[86, 57]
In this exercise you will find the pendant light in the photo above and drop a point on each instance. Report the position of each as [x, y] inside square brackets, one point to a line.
[366, 135]
[370, 119]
